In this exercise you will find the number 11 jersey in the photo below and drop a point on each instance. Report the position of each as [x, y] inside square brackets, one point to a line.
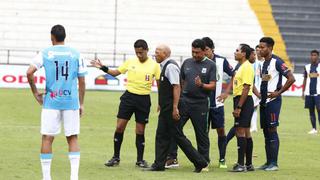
[63, 65]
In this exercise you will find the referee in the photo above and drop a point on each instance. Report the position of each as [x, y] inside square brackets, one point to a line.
[243, 107]
[169, 124]
[198, 79]
[141, 70]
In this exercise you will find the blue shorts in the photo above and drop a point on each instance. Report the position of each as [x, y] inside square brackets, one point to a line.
[269, 114]
[216, 117]
[312, 101]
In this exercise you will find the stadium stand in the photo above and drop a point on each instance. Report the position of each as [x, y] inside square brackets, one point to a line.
[299, 23]
[92, 26]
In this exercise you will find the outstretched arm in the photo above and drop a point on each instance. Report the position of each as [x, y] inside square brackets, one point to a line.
[97, 63]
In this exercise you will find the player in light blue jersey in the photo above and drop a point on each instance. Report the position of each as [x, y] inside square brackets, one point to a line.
[62, 101]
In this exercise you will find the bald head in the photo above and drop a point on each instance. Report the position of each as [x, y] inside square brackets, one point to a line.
[162, 52]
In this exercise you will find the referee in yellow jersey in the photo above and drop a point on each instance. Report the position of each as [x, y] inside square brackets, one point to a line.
[136, 99]
[243, 107]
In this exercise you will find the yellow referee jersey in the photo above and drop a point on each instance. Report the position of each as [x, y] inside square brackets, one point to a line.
[140, 75]
[244, 75]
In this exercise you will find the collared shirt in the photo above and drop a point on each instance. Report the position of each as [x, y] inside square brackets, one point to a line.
[190, 69]
[172, 72]
[244, 75]
[140, 75]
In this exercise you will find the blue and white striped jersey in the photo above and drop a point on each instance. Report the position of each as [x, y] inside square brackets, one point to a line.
[271, 76]
[223, 66]
[311, 72]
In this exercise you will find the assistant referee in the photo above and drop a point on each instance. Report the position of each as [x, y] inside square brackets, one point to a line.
[140, 70]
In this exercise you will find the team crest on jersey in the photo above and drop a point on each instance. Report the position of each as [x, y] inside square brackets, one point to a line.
[204, 70]
[266, 77]
[162, 78]
[313, 75]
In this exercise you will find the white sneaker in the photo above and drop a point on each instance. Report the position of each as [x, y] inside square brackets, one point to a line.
[313, 131]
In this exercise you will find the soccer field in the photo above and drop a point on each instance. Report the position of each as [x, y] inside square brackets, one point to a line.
[20, 143]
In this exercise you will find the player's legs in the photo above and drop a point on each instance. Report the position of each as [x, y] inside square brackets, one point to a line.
[242, 125]
[125, 111]
[71, 121]
[273, 112]
[74, 156]
[231, 134]
[50, 126]
[216, 117]
[142, 111]
[311, 104]
[140, 144]
[172, 158]
[199, 119]
[249, 150]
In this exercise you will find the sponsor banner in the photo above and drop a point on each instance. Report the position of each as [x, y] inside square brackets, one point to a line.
[14, 76]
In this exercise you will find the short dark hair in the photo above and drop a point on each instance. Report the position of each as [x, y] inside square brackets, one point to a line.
[58, 32]
[268, 40]
[257, 46]
[314, 51]
[208, 42]
[141, 43]
[199, 43]
[247, 49]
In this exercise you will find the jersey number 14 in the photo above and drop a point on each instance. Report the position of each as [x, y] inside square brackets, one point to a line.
[64, 70]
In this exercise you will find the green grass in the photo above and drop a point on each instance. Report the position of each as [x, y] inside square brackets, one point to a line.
[299, 156]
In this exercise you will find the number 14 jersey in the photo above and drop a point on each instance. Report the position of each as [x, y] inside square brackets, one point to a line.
[63, 65]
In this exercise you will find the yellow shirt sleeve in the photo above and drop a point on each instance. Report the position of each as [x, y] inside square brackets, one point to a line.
[124, 67]
[248, 75]
[157, 72]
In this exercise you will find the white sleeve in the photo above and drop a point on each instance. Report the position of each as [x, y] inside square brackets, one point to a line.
[82, 71]
[173, 74]
[37, 61]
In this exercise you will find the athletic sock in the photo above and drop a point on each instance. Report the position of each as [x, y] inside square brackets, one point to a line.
[267, 144]
[249, 150]
[241, 141]
[274, 147]
[117, 141]
[74, 158]
[222, 140]
[140, 146]
[313, 118]
[45, 160]
[231, 134]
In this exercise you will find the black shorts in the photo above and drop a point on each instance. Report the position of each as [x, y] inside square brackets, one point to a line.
[247, 109]
[216, 117]
[132, 103]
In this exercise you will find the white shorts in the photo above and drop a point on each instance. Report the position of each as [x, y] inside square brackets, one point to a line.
[51, 122]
